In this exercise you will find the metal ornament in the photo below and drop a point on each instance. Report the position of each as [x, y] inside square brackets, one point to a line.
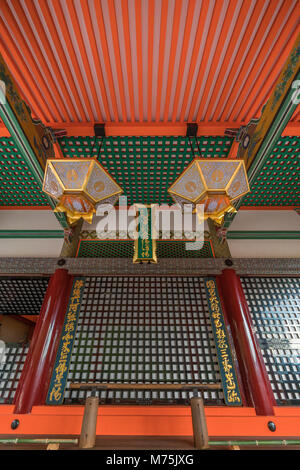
[79, 186]
[216, 183]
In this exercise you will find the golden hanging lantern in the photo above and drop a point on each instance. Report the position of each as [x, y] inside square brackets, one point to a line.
[79, 185]
[215, 183]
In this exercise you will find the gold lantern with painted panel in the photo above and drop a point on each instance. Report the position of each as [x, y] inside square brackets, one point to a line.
[215, 183]
[79, 185]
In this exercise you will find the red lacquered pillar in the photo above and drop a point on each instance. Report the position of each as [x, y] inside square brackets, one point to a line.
[253, 371]
[34, 381]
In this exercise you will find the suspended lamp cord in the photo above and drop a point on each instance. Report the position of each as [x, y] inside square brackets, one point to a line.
[191, 145]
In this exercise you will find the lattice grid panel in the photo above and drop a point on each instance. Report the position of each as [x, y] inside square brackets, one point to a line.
[274, 305]
[278, 182]
[22, 296]
[125, 249]
[10, 370]
[145, 167]
[144, 330]
[18, 186]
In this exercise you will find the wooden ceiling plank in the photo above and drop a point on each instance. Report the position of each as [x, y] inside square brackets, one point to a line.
[197, 44]
[42, 62]
[174, 45]
[251, 50]
[221, 47]
[115, 36]
[138, 24]
[246, 27]
[82, 47]
[93, 45]
[161, 59]
[185, 46]
[26, 85]
[205, 58]
[258, 96]
[126, 28]
[260, 53]
[73, 57]
[151, 12]
[104, 46]
[55, 68]
[20, 48]
[60, 50]
[231, 51]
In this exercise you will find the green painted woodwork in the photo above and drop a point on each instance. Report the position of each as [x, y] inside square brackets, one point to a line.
[263, 235]
[18, 183]
[125, 249]
[145, 167]
[277, 184]
[31, 234]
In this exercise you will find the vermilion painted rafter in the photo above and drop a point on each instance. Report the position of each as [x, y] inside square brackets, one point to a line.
[174, 45]
[74, 60]
[106, 58]
[62, 56]
[185, 45]
[218, 6]
[55, 70]
[232, 49]
[115, 37]
[147, 60]
[138, 24]
[30, 63]
[80, 42]
[162, 43]
[25, 85]
[43, 65]
[215, 60]
[151, 10]
[258, 97]
[96, 60]
[249, 48]
[260, 49]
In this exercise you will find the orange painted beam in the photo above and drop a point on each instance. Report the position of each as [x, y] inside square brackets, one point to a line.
[151, 421]
[152, 128]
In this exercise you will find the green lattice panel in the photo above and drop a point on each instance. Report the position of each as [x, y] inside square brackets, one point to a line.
[17, 184]
[278, 182]
[145, 167]
[124, 249]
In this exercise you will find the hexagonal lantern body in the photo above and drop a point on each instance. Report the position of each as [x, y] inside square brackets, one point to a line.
[79, 185]
[212, 182]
